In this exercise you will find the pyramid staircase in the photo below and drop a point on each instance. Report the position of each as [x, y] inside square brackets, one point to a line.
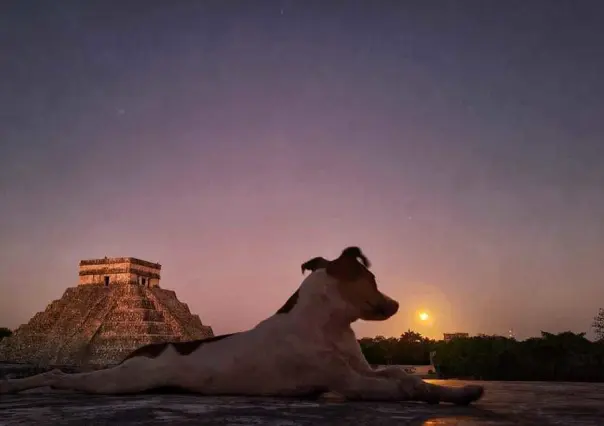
[100, 325]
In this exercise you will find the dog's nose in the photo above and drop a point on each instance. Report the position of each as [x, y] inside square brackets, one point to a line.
[391, 308]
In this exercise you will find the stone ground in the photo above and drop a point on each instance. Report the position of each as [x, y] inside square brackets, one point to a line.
[504, 403]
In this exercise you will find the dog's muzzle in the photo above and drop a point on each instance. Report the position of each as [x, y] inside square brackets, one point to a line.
[388, 308]
[383, 310]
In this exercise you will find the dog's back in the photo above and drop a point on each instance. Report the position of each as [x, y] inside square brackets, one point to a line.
[266, 359]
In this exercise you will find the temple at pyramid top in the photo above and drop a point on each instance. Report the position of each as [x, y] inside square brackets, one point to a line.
[119, 270]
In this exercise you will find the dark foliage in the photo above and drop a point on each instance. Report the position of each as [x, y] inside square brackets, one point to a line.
[598, 325]
[5, 332]
[559, 357]
[409, 349]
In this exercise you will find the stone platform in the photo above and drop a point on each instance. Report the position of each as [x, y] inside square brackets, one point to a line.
[505, 403]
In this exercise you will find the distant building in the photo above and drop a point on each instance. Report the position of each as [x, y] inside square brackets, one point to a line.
[450, 336]
[510, 335]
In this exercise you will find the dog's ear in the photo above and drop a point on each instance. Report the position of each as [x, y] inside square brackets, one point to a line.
[349, 266]
[314, 264]
[357, 254]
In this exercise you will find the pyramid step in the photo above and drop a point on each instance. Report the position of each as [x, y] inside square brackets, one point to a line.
[126, 343]
[21, 347]
[108, 356]
[134, 315]
[134, 328]
[134, 303]
[113, 355]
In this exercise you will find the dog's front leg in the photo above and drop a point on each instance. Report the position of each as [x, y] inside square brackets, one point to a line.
[458, 395]
[429, 392]
[354, 386]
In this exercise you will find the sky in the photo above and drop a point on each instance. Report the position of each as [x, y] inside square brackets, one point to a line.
[458, 143]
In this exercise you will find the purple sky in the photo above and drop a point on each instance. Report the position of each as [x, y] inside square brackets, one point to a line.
[458, 143]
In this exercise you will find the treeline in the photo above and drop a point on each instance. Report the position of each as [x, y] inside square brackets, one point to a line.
[564, 356]
[409, 349]
[5, 332]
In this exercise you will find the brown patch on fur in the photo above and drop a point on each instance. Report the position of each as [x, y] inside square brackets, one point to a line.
[348, 268]
[153, 350]
[311, 265]
[289, 305]
[358, 285]
[356, 253]
[314, 264]
[150, 351]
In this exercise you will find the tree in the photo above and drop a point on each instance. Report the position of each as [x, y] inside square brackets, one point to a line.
[409, 349]
[411, 337]
[5, 332]
[598, 324]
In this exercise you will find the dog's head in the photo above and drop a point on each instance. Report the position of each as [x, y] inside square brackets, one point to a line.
[349, 280]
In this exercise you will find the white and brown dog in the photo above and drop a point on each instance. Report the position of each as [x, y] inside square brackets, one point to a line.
[307, 348]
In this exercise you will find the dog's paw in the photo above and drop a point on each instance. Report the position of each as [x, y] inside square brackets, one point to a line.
[470, 394]
[421, 391]
[55, 373]
[331, 397]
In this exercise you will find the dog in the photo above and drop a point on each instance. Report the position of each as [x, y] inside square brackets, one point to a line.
[306, 349]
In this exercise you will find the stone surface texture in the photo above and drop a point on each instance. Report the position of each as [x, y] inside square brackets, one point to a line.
[504, 403]
[98, 325]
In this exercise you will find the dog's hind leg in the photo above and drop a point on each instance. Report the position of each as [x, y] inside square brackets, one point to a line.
[37, 381]
[135, 375]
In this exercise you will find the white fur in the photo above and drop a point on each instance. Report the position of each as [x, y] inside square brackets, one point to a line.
[310, 349]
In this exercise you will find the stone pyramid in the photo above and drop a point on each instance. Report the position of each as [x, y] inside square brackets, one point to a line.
[117, 308]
